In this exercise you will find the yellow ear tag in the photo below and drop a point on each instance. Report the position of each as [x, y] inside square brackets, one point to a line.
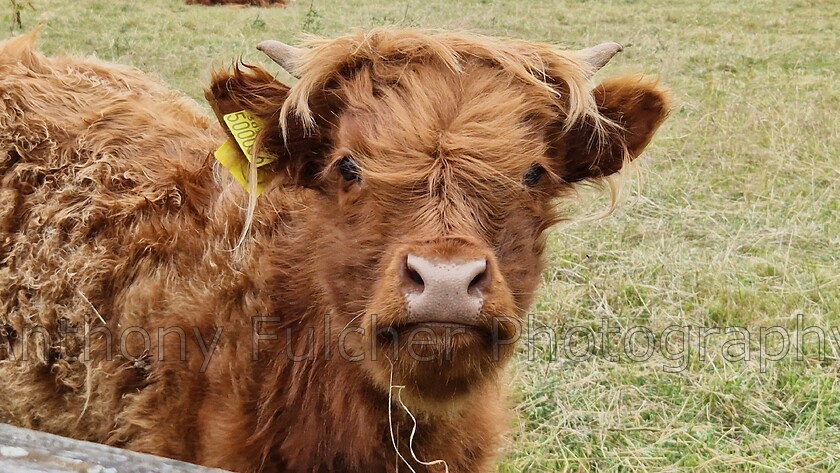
[235, 156]
[231, 157]
[244, 127]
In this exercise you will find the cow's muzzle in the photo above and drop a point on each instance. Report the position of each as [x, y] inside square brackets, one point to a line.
[444, 291]
[451, 281]
[443, 316]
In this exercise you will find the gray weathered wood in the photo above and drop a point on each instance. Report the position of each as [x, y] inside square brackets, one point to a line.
[28, 451]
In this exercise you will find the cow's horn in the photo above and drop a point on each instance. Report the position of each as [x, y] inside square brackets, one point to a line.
[283, 54]
[599, 56]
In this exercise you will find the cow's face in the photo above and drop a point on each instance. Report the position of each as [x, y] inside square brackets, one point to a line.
[431, 187]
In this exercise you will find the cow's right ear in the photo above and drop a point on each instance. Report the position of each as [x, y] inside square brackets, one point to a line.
[301, 155]
[635, 106]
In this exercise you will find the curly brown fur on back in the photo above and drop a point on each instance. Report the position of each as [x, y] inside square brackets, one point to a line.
[115, 221]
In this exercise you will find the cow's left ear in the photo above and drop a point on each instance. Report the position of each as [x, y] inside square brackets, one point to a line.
[637, 105]
[300, 156]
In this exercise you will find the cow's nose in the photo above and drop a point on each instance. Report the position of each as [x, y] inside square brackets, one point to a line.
[444, 291]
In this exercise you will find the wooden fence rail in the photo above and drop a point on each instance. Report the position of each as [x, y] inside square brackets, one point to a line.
[28, 451]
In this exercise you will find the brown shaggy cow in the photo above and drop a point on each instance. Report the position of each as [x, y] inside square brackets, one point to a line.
[362, 321]
[256, 3]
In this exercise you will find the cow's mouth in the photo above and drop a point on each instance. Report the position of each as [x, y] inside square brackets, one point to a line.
[439, 361]
[418, 329]
[449, 334]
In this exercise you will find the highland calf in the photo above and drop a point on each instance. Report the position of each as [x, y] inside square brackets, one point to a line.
[356, 315]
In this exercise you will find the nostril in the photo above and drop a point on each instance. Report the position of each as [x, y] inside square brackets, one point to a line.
[411, 273]
[481, 276]
[414, 276]
[478, 280]
[446, 278]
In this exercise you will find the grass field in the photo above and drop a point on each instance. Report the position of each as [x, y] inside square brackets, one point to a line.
[737, 223]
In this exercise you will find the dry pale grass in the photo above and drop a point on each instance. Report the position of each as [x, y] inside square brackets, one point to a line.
[736, 225]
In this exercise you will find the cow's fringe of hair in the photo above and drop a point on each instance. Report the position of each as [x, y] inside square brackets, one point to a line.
[387, 50]
[538, 64]
[564, 77]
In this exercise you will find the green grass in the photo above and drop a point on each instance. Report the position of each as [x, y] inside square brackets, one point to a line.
[737, 223]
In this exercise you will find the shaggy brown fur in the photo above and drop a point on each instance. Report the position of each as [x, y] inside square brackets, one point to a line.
[256, 3]
[116, 224]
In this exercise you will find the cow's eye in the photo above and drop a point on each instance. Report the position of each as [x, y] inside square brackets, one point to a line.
[532, 175]
[349, 169]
